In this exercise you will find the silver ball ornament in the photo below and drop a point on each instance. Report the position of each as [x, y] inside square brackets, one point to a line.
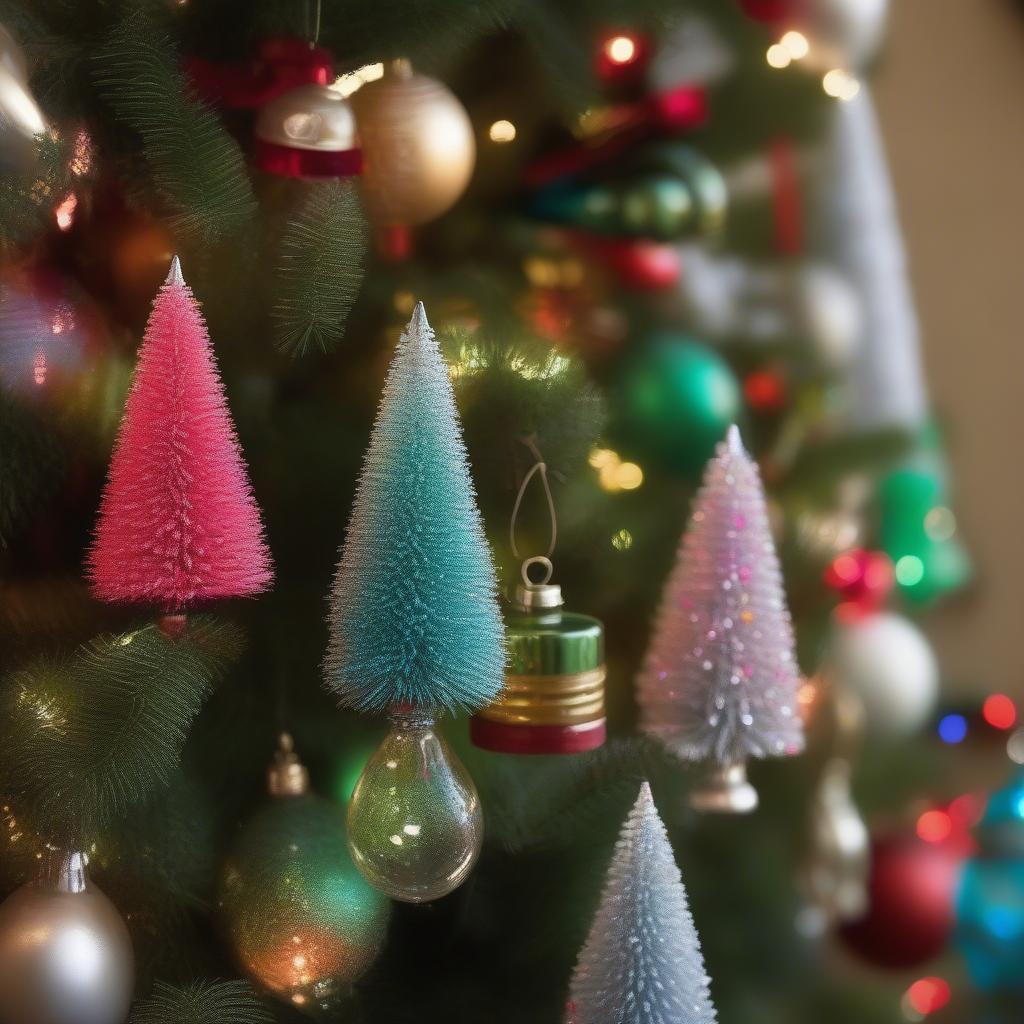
[829, 314]
[886, 661]
[65, 953]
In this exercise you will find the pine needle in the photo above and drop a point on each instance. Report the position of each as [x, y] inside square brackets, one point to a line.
[320, 269]
[86, 737]
[195, 165]
[201, 1002]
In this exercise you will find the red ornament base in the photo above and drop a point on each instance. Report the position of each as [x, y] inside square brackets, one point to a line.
[503, 738]
[292, 162]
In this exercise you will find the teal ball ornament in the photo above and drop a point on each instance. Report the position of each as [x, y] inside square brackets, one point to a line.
[672, 402]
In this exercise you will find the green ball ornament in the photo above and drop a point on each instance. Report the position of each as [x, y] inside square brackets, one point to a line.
[302, 921]
[673, 401]
[698, 175]
[656, 206]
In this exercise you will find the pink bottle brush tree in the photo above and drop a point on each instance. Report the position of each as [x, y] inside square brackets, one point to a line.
[178, 523]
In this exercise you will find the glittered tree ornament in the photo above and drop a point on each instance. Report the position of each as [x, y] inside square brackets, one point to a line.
[720, 679]
[65, 953]
[178, 523]
[301, 920]
[415, 628]
[414, 617]
[642, 961]
[418, 145]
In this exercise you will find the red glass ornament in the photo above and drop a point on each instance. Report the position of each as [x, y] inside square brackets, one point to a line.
[645, 265]
[765, 390]
[861, 577]
[911, 902]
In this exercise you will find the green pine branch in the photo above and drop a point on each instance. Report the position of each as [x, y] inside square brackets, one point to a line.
[27, 197]
[86, 737]
[320, 268]
[201, 1002]
[32, 465]
[195, 166]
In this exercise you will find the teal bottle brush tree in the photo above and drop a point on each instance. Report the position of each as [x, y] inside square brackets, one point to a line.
[415, 630]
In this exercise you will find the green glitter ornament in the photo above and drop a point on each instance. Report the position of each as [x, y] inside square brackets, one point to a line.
[301, 920]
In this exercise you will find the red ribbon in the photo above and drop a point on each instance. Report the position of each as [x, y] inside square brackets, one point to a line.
[668, 113]
[290, 162]
[279, 65]
[786, 208]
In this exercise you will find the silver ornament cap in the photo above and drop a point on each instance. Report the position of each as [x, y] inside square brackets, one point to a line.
[65, 953]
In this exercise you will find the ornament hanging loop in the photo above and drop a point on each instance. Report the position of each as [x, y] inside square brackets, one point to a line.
[529, 563]
[539, 469]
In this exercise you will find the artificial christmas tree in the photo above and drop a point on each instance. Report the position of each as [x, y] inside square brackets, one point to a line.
[642, 962]
[178, 523]
[719, 683]
[415, 628]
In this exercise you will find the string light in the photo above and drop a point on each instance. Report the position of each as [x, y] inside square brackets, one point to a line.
[999, 711]
[612, 473]
[909, 571]
[501, 131]
[925, 996]
[778, 56]
[840, 84]
[934, 826]
[620, 49]
[65, 211]
[355, 80]
[795, 44]
[940, 523]
[953, 729]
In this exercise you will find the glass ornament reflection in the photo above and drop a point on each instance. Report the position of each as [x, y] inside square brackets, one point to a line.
[415, 826]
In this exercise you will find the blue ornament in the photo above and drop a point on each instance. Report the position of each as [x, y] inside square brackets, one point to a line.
[990, 901]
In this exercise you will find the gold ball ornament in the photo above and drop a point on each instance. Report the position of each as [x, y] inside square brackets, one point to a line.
[65, 953]
[307, 132]
[418, 147]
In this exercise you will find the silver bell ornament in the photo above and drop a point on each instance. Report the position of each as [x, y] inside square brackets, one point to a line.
[65, 953]
[308, 132]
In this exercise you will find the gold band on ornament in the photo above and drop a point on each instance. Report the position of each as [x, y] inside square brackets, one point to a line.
[550, 700]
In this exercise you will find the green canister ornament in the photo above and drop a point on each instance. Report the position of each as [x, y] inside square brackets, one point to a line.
[553, 698]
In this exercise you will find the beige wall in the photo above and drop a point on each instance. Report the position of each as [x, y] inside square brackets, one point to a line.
[951, 101]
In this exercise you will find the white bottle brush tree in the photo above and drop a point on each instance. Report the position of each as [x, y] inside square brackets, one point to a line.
[641, 963]
[720, 679]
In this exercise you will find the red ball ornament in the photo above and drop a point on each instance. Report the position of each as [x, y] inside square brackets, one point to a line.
[639, 264]
[765, 390]
[863, 577]
[911, 902]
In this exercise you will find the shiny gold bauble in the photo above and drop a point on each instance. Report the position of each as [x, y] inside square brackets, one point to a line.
[65, 953]
[308, 117]
[418, 146]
